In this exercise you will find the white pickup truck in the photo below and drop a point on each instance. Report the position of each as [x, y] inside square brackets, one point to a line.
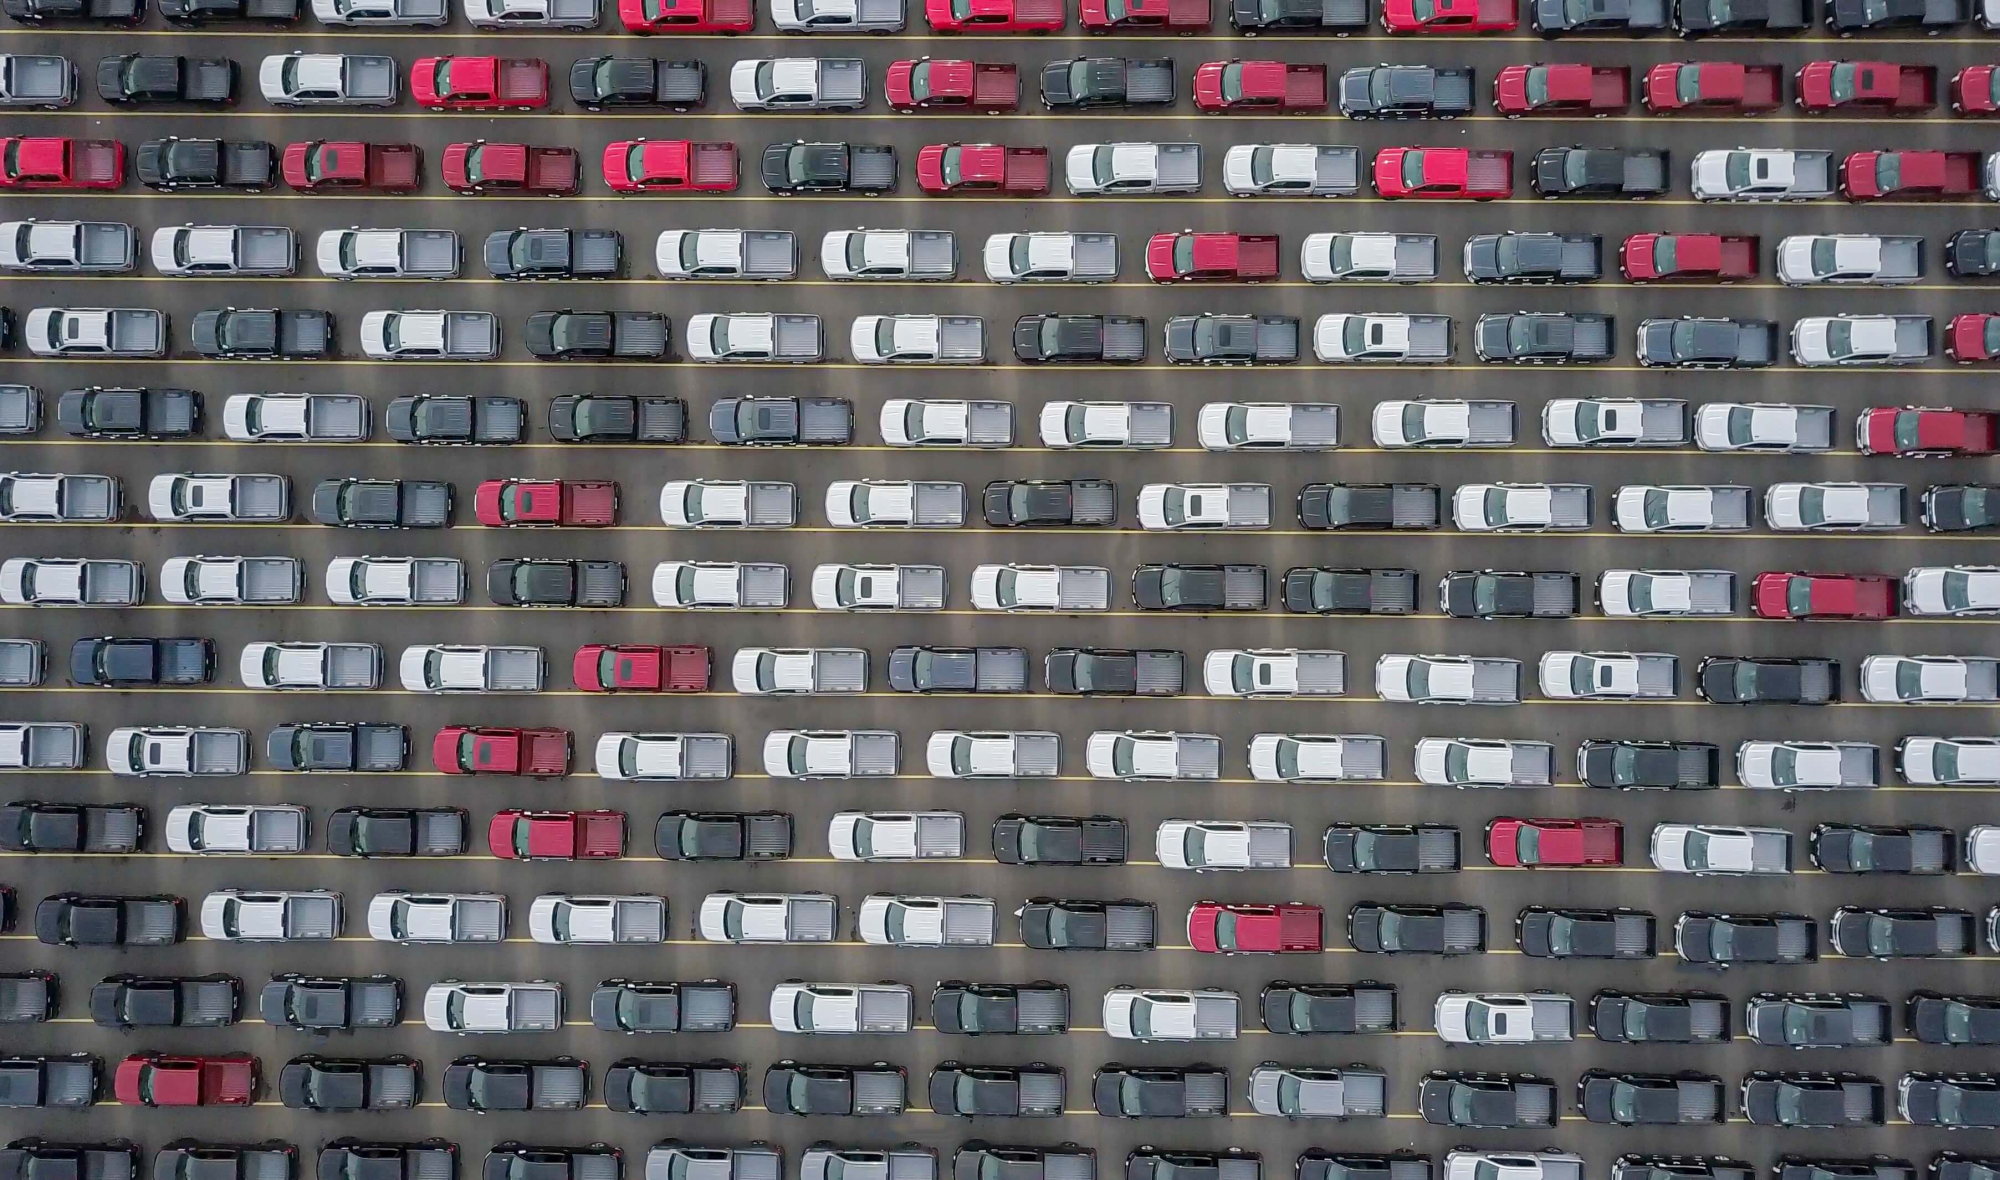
[562, 919]
[456, 1007]
[1484, 762]
[1051, 258]
[91, 247]
[1129, 169]
[918, 339]
[912, 422]
[895, 503]
[728, 916]
[721, 585]
[472, 668]
[1711, 850]
[922, 255]
[1274, 672]
[1161, 1014]
[1503, 1018]
[388, 253]
[1608, 675]
[200, 250]
[832, 753]
[1065, 588]
[1216, 845]
[1443, 423]
[203, 497]
[896, 835]
[1195, 506]
[278, 915]
[956, 753]
[312, 666]
[430, 335]
[177, 752]
[206, 581]
[840, 1008]
[726, 254]
[728, 503]
[878, 587]
[766, 671]
[395, 581]
[905, 920]
[1448, 680]
[1136, 755]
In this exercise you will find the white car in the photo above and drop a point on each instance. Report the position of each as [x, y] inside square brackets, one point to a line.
[562, 919]
[328, 79]
[1680, 508]
[455, 1007]
[1717, 850]
[1834, 507]
[276, 915]
[1315, 757]
[1163, 1014]
[1607, 675]
[1197, 506]
[71, 581]
[215, 828]
[896, 835]
[1763, 426]
[1956, 591]
[1925, 680]
[1134, 755]
[1949, 761]
[957, 753]
[1982, 849]
[437, 918]
[1806, 766]
[395, 581]
[1547, 1164]
[718, 585]
[933, 422]
[295, 417]
[364, 13]
[664, 757]
[1268, 426]
[1106, 424]
[727, 503]
[1640, 594]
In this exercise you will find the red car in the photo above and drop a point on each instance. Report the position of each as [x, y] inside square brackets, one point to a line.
[948, 169]
[1289, 87]
[480, 83]
[480, 167]
[1174, 16]
[546, 503]
[48, 161]
[1443, 174]
[1972, 337]
[157, 1079]
[670, 165]
[640, 667]
[1723, 86]
[475, 749]
[1909, 176]
[1866, 85]
[1562, 88]
[1917, 433]
[1189, 257]
[1527, 843]
[1975, 91]
[1449, 16]
[556, 835]
[994, 16]
[1251, 928]
[351, 166]
[1775, 594]
[1687, 258]
[951, 84]
[687, 16]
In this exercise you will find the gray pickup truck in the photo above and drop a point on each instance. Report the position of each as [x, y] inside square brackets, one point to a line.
[1008, 1009]
[41, 745]
[781, 421]
[62, 1083]
[456, 420]
[1282, 1091]
[114, 829]
[128, 1001]
[22, 662]
[1211, 339]
[1632, 1099]
[1369, 258]
[20, 409]
[958, 669]
[1534, 258]
[673, 1159]
[37, 80]
[567, 335]
[255, 334]
[555, 582]
[592, 417]
[337, 747]
[629, 1006]
[554, 253]
[88, 247]
[1081, 83]
[1497, 594]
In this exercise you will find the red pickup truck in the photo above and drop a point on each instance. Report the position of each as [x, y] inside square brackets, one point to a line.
[994, 16]
[1527, 843]
[480, 83]
[48, 161]
[946, 169]
[1909, 176]
[543, 503]
[1248, 928]
[1775, 594]
[475, 749]
[349, 165]
[479, 167]
[1975, 91]
[1443, 174]
[640, 667]
[556, 835]
[1890, 87]
[952, 84]
[158, 1079]
[1449, 16]
[1911, 432]
[1561, 89]
[1189, 257]
[1259, 85]
[687, 16]
[1972, 337]
[670, 166]
[1687, 258]
[1182, 17]
[1721, 86]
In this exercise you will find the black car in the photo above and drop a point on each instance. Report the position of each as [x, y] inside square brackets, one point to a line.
[656, 1006]
[1864, 848]
[569, 335]
[1950, 1165]
[1058, 339]
[30, 825]
[1452, 929]
[1724, 940]
[1659, 1018]
[1405, 92]
[1623, 765]
[1634, 173]
[444, 419]
[514, 1160]
[1534, 258]
[1650, 1099]
[1771, 1099]
[64, 12]
[524, 254]
[487, 1087]
[1099, 671]
[793, 1088]
[1218, 339]
[600, 83]
[1083, 83]
[604, 417]
[1082, 924]
[1319, 1163]
[1938, 1019]
[954, 669]
[128, 1001]
[192, 1159]
[1487, 1100]
[1875, 1167]
[134, 79]
[382, 504]
[1930, 17]
[1695, 19]
[723, 835]
[1314, 1009]
[356, 1159]
[1732, 680]
[1197, 587]
[1371, 506]
[338, 1085]
[1543, 338]
[65, 1083]
[1888, 932]
[967, 1009]
[1011, 503]
[1497, 594]
[174, 164]
[141, 662]
[397, 831]
[1251, 17]
[1960, 508]
[1157, 1163]
[1693, 342]
[331, 1003]
[1633, 18]
[1034, 1090]
[1571, 932]
[35, 1158]
[1120, 1091]
[1813, 1020]
[801, 167]
[555, 581]
[632, 1086]
[1391, 848]
[28, 997]
[147, 414]
[780, 421]
[236, 333]
[1323, 590]
[1973, 253]
[1059, 840]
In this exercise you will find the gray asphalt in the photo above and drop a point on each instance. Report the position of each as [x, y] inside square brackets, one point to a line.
[639, 543]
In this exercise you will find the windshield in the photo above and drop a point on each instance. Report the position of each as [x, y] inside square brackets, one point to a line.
[1124, 755]
[1694, 850]
[1687, 83]
[961, 755]
[1736, 170]
[1538, 85]
[1413, 162]
[1232, 82]
[1664, 252]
